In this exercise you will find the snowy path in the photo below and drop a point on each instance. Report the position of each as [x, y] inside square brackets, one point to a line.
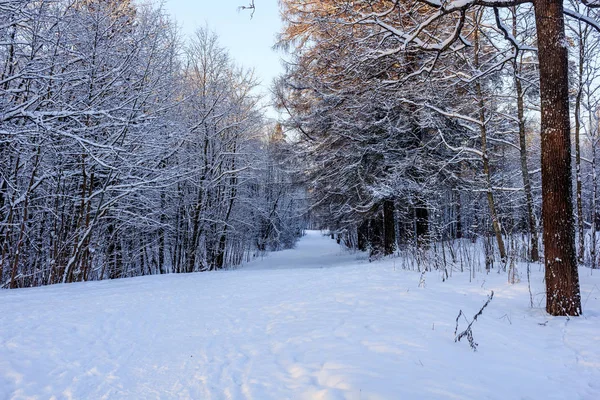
[275, 330]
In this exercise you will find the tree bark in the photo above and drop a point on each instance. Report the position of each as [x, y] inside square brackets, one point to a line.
[562, 278]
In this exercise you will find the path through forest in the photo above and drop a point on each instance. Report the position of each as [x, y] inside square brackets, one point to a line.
[315, 322]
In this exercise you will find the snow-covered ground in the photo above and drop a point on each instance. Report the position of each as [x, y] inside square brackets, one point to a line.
[310, 323]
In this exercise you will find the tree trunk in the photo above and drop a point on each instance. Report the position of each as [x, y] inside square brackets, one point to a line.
[458, 217]
[196, 231]
[376, 236]
[580, 227]
[593, 263]
[161, 235]
[389, 228]
[594, 206]
[485, 158]
[421, 223]
[23, 225]
[362, 233]
[534, 254]
[534, 251]
[562, 278]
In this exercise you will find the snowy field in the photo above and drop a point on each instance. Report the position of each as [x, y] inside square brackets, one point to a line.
[309, 323]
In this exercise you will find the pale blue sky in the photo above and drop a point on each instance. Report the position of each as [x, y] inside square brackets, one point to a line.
[249, 41]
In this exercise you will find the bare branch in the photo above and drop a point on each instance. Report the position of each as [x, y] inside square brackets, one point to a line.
[580, 17]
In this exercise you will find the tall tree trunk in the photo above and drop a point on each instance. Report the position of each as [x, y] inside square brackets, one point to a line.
[562, 279]
[534, 254]
[376, 236]
[389, 228]
[233, 182]
[421, 212]
[362, 233]
[594, 206]
[196, 232]
[114, 253]
[23, 225]
[580, 222]
[485, 158]
[7, 240]
[593, 262]
[421, 223]
[458, 217]
[161, 235]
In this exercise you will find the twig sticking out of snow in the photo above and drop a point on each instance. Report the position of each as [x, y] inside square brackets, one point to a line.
[469, 332]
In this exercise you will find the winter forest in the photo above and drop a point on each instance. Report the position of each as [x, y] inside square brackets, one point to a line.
[126, 152]
[457, 140]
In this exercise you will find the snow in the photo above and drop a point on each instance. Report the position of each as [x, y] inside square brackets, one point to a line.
[315, 322]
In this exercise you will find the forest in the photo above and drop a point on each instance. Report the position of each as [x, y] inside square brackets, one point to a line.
[427, 122]
[407, 128]
[409, 209]
[126, 152]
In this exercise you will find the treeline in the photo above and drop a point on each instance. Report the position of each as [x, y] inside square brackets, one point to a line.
[421, 122]
[124, 152]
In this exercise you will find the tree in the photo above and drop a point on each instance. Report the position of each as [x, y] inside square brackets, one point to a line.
[562, 278]
[122, 152]
[432, 32]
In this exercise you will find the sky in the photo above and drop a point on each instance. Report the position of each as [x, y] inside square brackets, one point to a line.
[249, 40]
